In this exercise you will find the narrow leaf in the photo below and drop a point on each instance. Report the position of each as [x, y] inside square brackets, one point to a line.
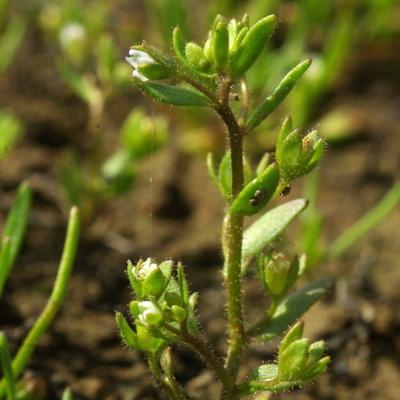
[174, 95]
[290, 310]
[269, 226]
[278, 95]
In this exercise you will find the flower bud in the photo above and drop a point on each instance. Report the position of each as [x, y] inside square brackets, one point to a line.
[220, 43]
[293, 359]
[145, 67]
[195, 55]
[276, 273]
[148, 278]
[148, 313]
[295, 154]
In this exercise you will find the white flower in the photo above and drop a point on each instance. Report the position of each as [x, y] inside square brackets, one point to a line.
[149, 313]
[145, 269]
[136, 59]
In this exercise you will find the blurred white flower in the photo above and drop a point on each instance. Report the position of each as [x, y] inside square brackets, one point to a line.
[136, 59]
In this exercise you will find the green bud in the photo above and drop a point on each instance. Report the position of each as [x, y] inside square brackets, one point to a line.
[149, 313]
[220, 44]
[257, 193]
[292, 360]
[251, 45]
[126, 332]
[297, 155]
[195, 55]
[179, 314]
[276, 274]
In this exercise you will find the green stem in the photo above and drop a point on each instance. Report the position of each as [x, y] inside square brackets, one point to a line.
[232, 239]
[55, 301]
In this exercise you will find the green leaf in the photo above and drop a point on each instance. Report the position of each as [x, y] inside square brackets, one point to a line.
[278, 95]
[290, 310]
[257, 193]
[174, 95]
[269, 226]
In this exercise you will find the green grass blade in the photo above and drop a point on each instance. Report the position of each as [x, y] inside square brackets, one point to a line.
[366, 222]
[55, 301]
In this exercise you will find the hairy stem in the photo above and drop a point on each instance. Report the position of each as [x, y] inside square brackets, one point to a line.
[155, 370]
[204, 349]
[232, 238]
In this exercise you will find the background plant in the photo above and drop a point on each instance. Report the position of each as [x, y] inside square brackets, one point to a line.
[11, 241]
[88, 62]
[163, 309]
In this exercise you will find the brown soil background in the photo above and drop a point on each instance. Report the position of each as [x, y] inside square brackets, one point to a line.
[360, 319]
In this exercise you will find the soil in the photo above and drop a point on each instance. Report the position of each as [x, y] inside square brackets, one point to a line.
[177, 213]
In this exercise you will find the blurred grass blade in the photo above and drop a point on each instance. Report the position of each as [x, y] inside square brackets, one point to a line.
[9, 42]
[5, 363]
[290, 310]
[366, 222]
[14, 230]
[269, 226]
[55, 301]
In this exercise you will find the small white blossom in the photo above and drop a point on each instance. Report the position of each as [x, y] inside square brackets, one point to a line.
[146, 268]
[149, 312]
[136, 59]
